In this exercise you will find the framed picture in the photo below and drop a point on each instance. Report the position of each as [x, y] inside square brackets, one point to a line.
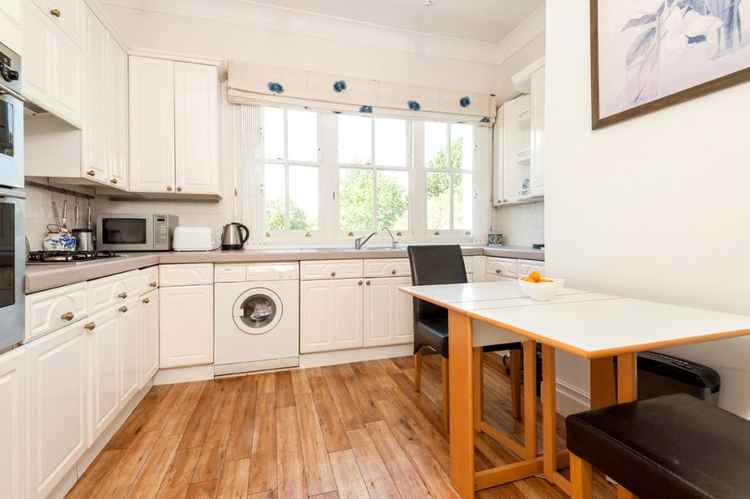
[650, 54]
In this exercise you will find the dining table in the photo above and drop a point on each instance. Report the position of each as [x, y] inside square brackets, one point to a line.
[605, 330]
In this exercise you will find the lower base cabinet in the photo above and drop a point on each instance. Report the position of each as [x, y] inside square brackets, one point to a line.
[13, 424]
[186, 326]
[58, 385]
[148, 344]
[129, 324]
[389, 313]
[105, 370]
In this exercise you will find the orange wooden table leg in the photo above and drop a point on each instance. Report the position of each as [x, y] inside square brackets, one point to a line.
[461, 404]
[549, 416]
[627, 391]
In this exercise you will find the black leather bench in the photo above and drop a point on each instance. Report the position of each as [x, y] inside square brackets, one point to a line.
[674, 446]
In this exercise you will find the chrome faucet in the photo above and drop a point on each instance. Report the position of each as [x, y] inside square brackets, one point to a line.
[394, 243]
[359, 243]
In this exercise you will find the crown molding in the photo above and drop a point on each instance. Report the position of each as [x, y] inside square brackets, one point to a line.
[529, 30]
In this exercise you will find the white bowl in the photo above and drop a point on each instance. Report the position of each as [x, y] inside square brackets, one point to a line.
[541, 291]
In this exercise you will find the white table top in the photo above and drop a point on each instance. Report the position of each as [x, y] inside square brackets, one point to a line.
[586, 324]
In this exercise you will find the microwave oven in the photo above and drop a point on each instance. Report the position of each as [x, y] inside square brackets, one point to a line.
[118, 232]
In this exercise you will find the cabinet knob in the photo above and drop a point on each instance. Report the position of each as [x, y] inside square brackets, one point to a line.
[333, 274]
[90, 326]
[368, 283]
[147, 300]
[360, 283]
[68, 316]
[497, 272]
[123, 309]
[169, 188]
[393, 272]
[56, 13]
[113, 181]
[179, 189]
[153, 284]
[91, 173]
[124, 296]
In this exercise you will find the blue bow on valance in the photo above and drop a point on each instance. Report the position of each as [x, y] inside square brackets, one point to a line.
[275, 87]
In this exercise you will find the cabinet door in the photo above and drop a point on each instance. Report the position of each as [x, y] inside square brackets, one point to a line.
[537, 132]
[498, 159]
[331, 315]
[38, 48]
[59, 384]
[196, 128]
[119, 118]
[149, 344]
[67, 78]
[151, 125]
[10, 24]
[95, 165]
[516, 148]
[105, 371]
[389, 314]
[13, 424]
[186, 326]
[128, 337]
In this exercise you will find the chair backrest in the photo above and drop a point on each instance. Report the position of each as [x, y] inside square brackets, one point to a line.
[435, 264]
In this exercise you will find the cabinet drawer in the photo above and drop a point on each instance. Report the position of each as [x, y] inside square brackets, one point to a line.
[502, 267]
[230, 273]
[186, 274]
[331, 269]
[111, 291]
[525, 267]
[51, 310]
[390, 267]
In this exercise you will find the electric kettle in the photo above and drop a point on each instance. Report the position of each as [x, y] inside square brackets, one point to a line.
[234, 236]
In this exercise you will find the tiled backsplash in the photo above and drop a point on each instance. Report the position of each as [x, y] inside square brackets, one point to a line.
[521, 224]
[39, 212]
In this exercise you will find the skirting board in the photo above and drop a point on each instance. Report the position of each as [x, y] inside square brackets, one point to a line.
[357, 355]
[183, 375]
[571, 399]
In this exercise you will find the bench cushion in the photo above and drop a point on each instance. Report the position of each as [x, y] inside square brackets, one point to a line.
[671, 446]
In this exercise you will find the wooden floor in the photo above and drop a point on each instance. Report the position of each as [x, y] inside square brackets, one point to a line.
[349, 431]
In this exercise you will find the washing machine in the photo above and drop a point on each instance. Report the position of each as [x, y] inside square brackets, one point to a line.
[256, 317]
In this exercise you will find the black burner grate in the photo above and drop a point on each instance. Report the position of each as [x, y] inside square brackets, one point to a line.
[69, 256]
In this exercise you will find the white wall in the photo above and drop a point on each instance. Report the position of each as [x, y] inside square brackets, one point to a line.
[655, 207]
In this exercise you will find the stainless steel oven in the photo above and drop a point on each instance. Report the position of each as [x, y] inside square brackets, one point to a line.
[118, 232]
[12, 267]
[11, 120]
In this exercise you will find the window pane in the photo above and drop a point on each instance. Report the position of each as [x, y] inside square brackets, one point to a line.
[303, 135]
[273, 132]
[390, 142]
[462, 146]
[436, 145]
[463, 201]
[355, 140]
[303, 198]
[393, 200]
[275, 196]
[438, 201]
[356, 199]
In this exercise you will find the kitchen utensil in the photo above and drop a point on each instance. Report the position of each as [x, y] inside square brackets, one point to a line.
[58, 239]
[56, 214]
[234, 236]
[64, 219]
[85, 239]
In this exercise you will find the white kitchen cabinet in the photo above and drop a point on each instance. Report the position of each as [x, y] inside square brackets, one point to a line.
[537, 132]
[498, 159]
[174, 127]
[186, 326]
[55, 309]
[119, 122]
[186, 274]
[129, 324]
[38, 43]
[10, 24]
[151, 125]
[196, 102]
[388, 313]
[105, 370]
[58, 400]
[149, 337]
[331, 315]
[13, 424]
[516, 149]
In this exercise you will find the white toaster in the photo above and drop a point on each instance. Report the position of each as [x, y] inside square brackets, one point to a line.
[194, 239]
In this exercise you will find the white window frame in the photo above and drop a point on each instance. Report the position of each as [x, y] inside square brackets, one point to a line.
[375, 168]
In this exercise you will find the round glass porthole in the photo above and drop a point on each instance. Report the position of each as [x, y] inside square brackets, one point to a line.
[258, 311]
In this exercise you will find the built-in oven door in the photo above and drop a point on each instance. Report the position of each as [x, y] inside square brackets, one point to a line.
[11, 141]
[12, 267]
[125, 232]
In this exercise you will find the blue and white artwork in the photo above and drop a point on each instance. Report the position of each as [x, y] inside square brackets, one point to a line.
[651, 49]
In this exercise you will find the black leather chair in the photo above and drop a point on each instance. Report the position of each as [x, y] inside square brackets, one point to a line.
[444, 264]
[670, 446]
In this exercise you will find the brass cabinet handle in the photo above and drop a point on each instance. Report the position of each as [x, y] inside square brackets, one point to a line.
[147, 300]
[123, 309]
[68, 316]
[333, 274]
[90, 326]
[179, 189]
[91, 173]
[56, 13]
[393, 272]
[360, 283]
[169, 188]
[153, 284]
[113, 181]
[368, 283]
[123, 295]
[497, 272]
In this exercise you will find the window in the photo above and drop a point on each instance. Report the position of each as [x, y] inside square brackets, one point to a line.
[373, 158]
[291, 170]
[449, 160]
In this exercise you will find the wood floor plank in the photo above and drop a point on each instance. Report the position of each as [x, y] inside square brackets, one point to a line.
[400, 467]
[289, 461]
[342, 397]
[118, 481]
[368, 411]
[263, 457]
[180, 474]
[104, 463]
[349, 480]
[266, 383]
[178, 420]
[269, 494]
[284, 389]
[300, 384]
[138, 418]
[158, 418]
[159, 461]
[330, 419]
[240, 443]
[234, 481]
[200, 420]
[317, 466]
[327, 495]
[202, 490]
[376, 476]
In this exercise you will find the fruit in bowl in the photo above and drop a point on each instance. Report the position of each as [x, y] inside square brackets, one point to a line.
[540, 288]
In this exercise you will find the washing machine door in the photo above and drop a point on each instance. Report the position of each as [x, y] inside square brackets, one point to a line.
[258, 311]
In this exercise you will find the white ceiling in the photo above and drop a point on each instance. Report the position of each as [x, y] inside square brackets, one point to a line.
[483, 20]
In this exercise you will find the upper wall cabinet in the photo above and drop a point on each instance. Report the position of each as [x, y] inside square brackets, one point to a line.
[53, 56]
[174, 127]
[519, 141]
[10, 24]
